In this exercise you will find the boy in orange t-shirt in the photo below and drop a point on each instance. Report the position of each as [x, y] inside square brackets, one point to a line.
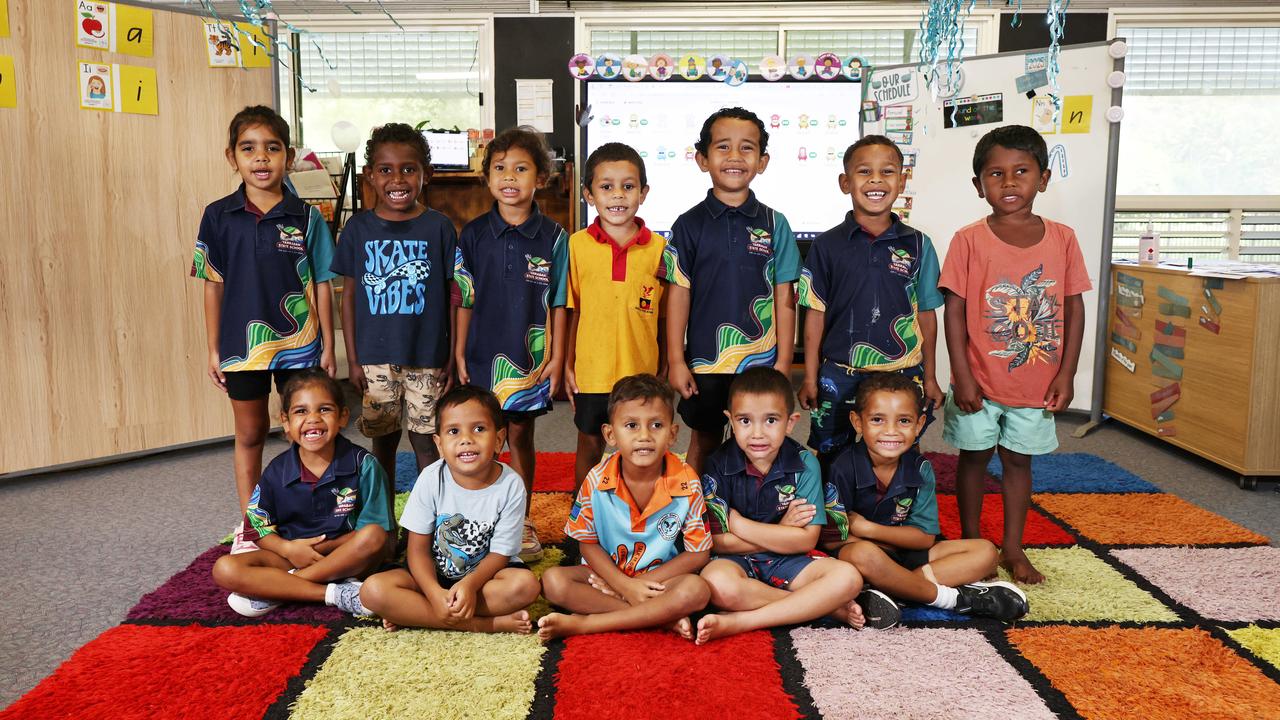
[1014, 323]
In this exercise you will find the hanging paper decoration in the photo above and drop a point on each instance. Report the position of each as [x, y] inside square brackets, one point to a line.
[692, 67]
[827, 65]
[801, 67]
[608, 66]
[772, 67]
[718, 67]
[738, 72]
[661, 66]
[635, 67]
[582, 66]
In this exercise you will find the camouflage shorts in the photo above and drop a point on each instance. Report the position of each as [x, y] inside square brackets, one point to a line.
[395, 390]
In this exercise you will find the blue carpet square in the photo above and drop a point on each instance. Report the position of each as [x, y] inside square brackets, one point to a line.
[1078, 473]
[406, 471]
[924, 613]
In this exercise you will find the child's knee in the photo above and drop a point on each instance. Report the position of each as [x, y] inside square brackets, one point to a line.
[373, 592]
[985, 551]
[863, 555]
[555, 583]
[1014, 460]
[370, 540]
[525, 586]
[843, 576]
[692, 594]
[226, 572]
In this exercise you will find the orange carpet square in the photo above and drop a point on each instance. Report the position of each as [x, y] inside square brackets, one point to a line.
[1142, 673]
[1039, 530]
[1144, 519]
[549, 511]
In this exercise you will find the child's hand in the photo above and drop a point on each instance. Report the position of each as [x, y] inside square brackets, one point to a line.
[799, 514]
[682, 380]
[967, 395]
[302, 552]
[637, 591]
[462, 601]
[933, 395]
[808, 395]
[444, 381]
[571, 385]
[328, 363]
[1060, 393]
[463, 377]
[553, 372]
[215, 371]
[859, 526]
[355, 373]
[605, 588]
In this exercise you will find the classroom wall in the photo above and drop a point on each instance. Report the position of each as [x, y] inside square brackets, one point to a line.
[534, 48]
[103, 328]
[1032, 33]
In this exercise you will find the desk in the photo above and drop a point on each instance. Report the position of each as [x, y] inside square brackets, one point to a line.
[1226, 403]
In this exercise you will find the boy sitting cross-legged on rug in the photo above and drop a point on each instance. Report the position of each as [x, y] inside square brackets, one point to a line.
[320, 513]
[887, 489]
[464, 519]
[766, 503]
[638, 519]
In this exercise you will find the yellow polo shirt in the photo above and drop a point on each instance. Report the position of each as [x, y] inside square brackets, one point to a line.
[616, 293]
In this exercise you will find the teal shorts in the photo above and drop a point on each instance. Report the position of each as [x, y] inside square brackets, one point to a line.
[1029, 431]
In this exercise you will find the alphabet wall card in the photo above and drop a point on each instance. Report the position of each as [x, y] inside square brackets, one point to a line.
[119, 88]
[1042, 115]
[1076, 112]
[255, 45]
[95, 87]
[133, 30]
[114, 28]
[93, 24]
[8, 82]
[4, 18]
[220, 41]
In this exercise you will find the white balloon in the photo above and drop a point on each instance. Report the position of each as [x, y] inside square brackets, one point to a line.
[346, 136]
[335, 87]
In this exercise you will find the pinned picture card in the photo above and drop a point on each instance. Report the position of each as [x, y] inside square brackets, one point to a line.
[93, 24]
[255, 45]
[1076, 113]
[133, 34]
[119, 88]
[4, 18]
[8, 82]
[95, 86]
[220, 42]
[114, 28]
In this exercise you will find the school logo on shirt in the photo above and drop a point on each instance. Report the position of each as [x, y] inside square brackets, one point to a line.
[646, 299]
[669, 526]
[759, 242]
[786, 493]
[901, 509]
[539, 270]
[395, 278]
[346, 501]
[291, 239]
[900, 262]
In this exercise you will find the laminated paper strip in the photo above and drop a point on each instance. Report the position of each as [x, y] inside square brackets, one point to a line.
[1125, 319]
[1165, 416]
[1167, 431]
[1173, 352]
[1175, 309]
[1124, 360]
[1129, 302]
[1214, 283]
[1129, 331]
[1169, 328]
[1163, 366]
[1127, 279]
[1217, 306]
[1124, 343]
[1176, 341]
[1128, 292]
[1209, 325]
[1172, 296]
[1160, 407]
[1171, 390]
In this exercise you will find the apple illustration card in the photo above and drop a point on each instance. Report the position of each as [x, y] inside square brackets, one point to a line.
[93, 24]
[115, 28]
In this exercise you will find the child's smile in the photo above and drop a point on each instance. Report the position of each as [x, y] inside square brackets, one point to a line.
[313, 419]
[889, 423]
[397, 175]
[733, 158]
[469, 442]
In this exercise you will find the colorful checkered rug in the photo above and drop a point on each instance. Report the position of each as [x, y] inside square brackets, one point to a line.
[1153, 608]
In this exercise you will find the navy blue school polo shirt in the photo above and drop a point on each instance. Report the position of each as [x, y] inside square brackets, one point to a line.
[910, 499]
[511, 276]
[730, 259]
[352, 493]
[871, 289]
[269, 266]
[400, 272]
[728, 484]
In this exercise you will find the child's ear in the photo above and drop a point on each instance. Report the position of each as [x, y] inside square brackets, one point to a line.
[699, 158]
[343, 416]
[977, 184]
[846, 184]
[231, 159]
[606, 430]
[856, 420]
[288, 159]
[1044, 179]
[586, 195]
[791, 421]
[764, 162]
[644, 193]
[502, 440]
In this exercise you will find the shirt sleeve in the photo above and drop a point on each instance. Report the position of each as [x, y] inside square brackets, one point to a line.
[559, 270]
[1076, 281]
[581, 525]
[927, 295]
[574, 297]
[786, 254]
[419, 514]
[344, 255]
[809, 487]
[678, 257]
[319, 245]
[208, 261]
[696, 537]
[813, 286]
[449, 243]
[509, 524]
[924, 512]
[717, 506]
[462, 275]
[375, 505]
[262, 512]
[955, 269]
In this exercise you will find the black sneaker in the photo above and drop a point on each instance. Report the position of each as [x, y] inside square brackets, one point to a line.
[1000, 600]
[880, 611]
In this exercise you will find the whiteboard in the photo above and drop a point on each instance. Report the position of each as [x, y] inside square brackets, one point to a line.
[810, 123]
[1081, 193]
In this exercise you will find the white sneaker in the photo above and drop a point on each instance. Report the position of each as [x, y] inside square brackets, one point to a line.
[346, 597]
[251, 607]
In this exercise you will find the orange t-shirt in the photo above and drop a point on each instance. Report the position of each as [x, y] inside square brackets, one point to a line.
[1013, 306]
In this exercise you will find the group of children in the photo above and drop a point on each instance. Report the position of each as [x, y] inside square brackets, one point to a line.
[464, 339]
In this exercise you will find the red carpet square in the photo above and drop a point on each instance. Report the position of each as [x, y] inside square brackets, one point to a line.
[1039, 530]
[944, 471]
[615, 676]
[1148, 672]
[146, 672]
[553, 471]
[1143, 519]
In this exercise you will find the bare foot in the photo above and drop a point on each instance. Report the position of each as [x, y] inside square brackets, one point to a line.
[516, 622]
[1016, 562]
[556, 625]
[851, 615]
[389, 626]
[682, 627]
[711, 627]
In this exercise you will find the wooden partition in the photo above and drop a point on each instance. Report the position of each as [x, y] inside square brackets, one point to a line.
[103, 347]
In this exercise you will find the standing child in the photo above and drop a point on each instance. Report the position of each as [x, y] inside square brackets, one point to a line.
[320, 511]
[729, 268]
[511, 268]
[639, 522]
[767, 507]
[1014, 323]
[887, 490]
[870, 285]
[398, 263]
[463, 518]
[264, 256]
[614, 295]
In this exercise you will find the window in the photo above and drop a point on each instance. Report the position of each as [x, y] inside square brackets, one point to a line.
[747, 45]
[405, 77]
[1260, 237]
[878, 46]
[1198, 235]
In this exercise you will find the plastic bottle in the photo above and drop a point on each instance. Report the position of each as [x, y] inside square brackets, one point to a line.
[1149, 247]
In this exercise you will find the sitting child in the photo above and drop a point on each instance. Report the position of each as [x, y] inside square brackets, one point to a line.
[887, 489]
[320, 512]
[766, 502]
[639, 521]
[464, 519]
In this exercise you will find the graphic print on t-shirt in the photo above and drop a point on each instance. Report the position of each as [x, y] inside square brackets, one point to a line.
[395, 277]
[460, 544]
[1025, 319]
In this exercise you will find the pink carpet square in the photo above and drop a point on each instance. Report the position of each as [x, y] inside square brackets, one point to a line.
[912, 672]
[1236, 584]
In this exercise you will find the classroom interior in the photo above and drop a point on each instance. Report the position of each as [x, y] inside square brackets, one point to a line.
[116, 458]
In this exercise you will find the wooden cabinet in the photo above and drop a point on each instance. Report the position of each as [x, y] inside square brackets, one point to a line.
[464, 196]
[1227, 406]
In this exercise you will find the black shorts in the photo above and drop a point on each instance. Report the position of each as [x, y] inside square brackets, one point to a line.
[524, 415]
[448, 583]
[704, 411]
[591, 410]
[256, 384]
[909, 559]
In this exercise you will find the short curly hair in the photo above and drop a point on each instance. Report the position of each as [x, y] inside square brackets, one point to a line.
[397, 133]
[703, 145]
[887, 382]
[641, 387]
[1011, 137]
[526, 138]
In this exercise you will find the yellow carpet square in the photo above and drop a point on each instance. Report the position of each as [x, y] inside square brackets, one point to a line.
[1263, 642]
[1144, 519]
[1079, 586]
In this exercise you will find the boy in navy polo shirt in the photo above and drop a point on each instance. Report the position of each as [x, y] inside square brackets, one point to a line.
[870, 285]
[398, 262]
[321, 511]
[766, 508]
[511, 269]
[886, 488]
[729, 267]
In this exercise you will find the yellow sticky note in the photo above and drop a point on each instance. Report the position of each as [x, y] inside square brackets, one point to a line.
[255, 45]
[133, 30]
[4, 18]
[138, 92]
[8, 82]
[1076, 111]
